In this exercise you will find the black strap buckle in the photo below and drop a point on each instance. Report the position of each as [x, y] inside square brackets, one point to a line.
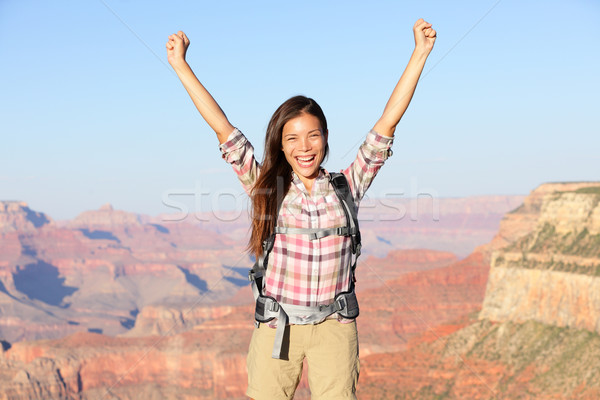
[340, 304]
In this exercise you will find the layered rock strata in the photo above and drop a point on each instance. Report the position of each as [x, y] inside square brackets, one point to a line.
[479, 360]
[401, 296]
[16, 216]
[97, 272]
[537, 334]
[549, 271]
[208, 361]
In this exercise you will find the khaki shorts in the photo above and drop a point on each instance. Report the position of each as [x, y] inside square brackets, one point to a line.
[331, 351]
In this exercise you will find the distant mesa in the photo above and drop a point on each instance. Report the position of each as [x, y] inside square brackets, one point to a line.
[106, 207]
[105, 217]
[17, 216]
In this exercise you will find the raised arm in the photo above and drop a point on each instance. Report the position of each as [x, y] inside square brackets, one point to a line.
[204, 102]
[405, 88]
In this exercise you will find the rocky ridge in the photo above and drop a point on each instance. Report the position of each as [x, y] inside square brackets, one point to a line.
[550, 272]
[536, 336]
[16, 216]
[197, 351]
[98, 271]
[473, 359]
[208, 361]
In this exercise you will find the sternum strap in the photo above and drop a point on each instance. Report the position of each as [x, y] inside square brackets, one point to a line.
[316, 233]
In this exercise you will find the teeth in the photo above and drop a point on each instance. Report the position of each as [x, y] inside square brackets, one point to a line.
[306, 158]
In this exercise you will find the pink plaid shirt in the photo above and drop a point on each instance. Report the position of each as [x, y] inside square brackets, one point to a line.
[301, 271]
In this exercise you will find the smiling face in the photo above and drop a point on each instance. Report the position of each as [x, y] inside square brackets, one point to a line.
[304, 145]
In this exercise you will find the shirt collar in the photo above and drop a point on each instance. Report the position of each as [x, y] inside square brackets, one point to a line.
[320, 184]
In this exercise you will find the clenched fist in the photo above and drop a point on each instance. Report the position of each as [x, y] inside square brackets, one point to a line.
[424, 35]
[176, 47]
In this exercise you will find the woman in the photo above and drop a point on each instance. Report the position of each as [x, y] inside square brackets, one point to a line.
[292, 195]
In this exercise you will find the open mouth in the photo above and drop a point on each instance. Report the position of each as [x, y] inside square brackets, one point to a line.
[306, 161]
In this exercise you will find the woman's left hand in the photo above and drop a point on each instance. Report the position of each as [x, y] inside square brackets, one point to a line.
[424, 35]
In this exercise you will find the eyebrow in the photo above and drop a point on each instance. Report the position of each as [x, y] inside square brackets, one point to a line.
[295, 133]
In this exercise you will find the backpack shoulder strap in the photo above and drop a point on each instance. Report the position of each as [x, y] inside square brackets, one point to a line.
[342, 190]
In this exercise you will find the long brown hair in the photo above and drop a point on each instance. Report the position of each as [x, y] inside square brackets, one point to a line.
[275, 175]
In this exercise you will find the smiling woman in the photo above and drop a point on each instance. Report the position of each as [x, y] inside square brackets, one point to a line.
[305, 147]
[296, 141]
[304, 231]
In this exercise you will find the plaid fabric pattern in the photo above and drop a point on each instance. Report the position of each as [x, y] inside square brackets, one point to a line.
[301, 271]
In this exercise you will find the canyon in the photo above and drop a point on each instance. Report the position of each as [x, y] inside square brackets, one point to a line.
[498, 323]
[105, 267]
[207, 361]
[536, 336]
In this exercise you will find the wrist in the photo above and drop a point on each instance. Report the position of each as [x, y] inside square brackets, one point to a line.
[177, 62]
[421, 52]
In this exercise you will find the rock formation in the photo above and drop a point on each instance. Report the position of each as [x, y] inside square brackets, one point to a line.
[473, 360]
[455, 225]
[537, 334]
[144, 280]
[417, 302]
[207, 361]
[550, 271]
[99, 271]
[16, 216]
[95, 273]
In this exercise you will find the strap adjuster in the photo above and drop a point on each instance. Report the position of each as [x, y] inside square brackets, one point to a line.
[273, 306]
[340, 304]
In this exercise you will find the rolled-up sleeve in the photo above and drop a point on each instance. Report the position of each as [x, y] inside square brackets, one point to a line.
[238, 152]
[372, 154]
[376, 149]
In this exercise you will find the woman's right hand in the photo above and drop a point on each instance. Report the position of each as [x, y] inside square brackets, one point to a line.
[176, 47]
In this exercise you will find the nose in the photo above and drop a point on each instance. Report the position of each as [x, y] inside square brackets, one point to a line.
[305, 144]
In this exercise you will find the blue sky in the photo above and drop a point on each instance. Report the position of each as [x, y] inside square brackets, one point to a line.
[91, 113]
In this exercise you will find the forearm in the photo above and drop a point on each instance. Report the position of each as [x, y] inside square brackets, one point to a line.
[204, 102]
[402, 94]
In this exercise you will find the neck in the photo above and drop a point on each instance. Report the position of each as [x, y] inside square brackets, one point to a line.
[308, 184]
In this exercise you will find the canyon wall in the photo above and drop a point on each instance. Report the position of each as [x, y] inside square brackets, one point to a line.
[549, 270]
[537, 335]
